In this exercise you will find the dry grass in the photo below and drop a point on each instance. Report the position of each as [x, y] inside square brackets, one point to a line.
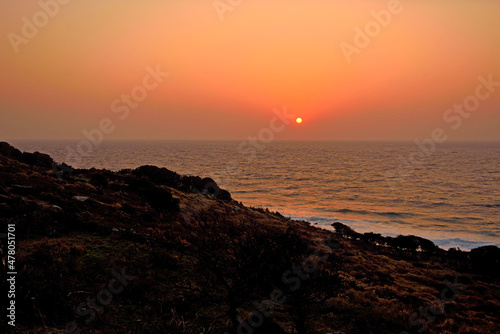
[198, 256]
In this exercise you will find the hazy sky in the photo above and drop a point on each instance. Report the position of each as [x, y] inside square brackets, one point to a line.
[226, 76]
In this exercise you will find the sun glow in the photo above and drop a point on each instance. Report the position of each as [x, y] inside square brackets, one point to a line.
[298, 120]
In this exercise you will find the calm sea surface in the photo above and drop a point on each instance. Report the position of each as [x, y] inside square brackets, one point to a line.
[451, 196]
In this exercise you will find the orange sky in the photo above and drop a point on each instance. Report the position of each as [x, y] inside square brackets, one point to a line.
[226, 76]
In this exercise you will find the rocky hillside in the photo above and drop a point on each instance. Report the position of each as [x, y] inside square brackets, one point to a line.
[151, 251]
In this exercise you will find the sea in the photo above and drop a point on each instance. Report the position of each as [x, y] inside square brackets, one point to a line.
[447, 192]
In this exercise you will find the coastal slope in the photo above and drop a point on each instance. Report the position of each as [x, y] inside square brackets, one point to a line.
[151, 251]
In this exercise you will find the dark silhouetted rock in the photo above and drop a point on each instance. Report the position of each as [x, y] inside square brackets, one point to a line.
[9, 151]
[486, 260]
[23, 190]
[373, 238]
[405, 242]
[160, 176]
[345, 231]
[161, 199]
[37, 159]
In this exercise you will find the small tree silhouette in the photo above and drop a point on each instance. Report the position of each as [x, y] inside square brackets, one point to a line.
[310, 288]
[245, 261]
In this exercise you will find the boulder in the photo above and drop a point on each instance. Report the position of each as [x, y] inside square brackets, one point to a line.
[37, 159]
[23, 190]
[7, 150]
[486, 260]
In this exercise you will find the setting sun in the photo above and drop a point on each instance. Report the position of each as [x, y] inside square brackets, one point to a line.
[167, 127]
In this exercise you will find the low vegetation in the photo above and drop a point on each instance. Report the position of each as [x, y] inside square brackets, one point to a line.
[151, 251]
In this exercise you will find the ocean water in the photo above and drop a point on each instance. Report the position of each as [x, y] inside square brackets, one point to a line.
[449, 194]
